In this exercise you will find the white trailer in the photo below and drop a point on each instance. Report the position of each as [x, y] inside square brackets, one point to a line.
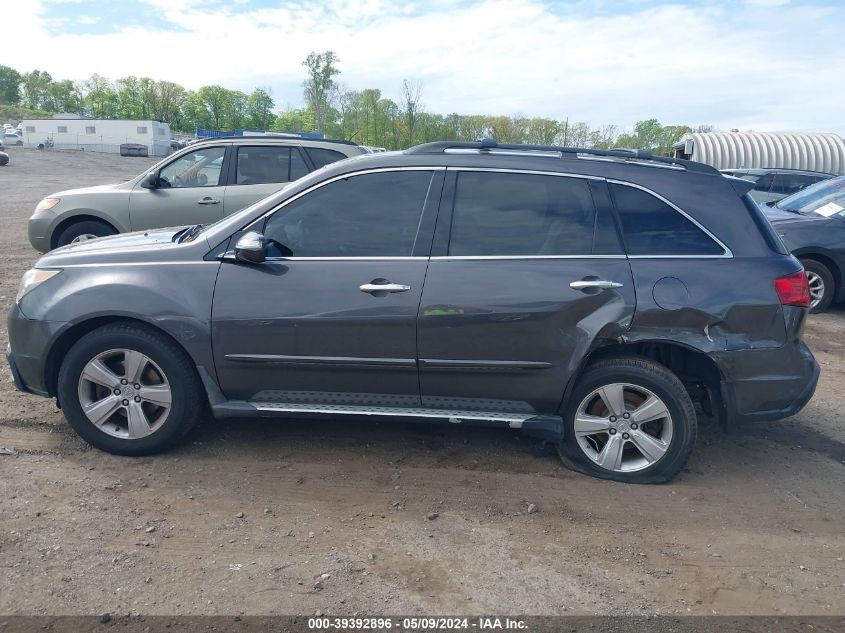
[98, 135]
[784, 150]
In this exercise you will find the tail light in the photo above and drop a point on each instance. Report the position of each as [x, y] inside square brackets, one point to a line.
[793, 290]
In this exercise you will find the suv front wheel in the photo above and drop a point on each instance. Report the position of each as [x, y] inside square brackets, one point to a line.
[129, 390]
[629, 419]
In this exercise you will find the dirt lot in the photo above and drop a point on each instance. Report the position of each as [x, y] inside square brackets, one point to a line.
[298, 517]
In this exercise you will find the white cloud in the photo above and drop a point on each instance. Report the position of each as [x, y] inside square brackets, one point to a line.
[732, 65]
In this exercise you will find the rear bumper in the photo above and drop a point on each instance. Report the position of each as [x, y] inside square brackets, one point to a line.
[767, 384]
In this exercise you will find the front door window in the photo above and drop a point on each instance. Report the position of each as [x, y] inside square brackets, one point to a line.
[200, 168]
[371, 215]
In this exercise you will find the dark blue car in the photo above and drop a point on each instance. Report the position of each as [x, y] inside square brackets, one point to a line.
[812, 225]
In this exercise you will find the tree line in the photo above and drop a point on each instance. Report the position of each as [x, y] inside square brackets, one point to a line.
[366, 116]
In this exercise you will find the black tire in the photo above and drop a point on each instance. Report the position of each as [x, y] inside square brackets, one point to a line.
[657, 379]
[816, 267]
[83, 227]
[188, 402]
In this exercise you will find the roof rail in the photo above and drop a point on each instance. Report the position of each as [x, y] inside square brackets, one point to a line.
[490, 146]
[274, 137]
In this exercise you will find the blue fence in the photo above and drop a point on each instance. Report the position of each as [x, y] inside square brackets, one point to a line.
[202, 133]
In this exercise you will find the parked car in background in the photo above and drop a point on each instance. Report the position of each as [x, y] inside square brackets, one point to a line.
[771, 185]
[812, 225]
[11, 137]
[591, 298]
[197, 185]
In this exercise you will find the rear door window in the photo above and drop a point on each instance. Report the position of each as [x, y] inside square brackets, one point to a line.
[512, 214]
[652, 227]
[266, 164]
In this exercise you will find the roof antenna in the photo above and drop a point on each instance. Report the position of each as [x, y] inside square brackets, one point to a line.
[488, 143]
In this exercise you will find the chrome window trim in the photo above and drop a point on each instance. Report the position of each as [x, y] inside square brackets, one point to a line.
[535, 172]
[643, 162]
[344, 176]
[374, 258]
[483, 257]
[726, 252]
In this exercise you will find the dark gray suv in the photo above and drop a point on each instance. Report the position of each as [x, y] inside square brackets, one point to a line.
[588, 298]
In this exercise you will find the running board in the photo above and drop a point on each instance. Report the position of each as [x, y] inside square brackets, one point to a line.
[547, 427]
[455, 416]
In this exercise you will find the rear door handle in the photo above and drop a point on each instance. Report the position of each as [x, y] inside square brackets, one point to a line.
[586, 284]
[208, 200]
[371, 288]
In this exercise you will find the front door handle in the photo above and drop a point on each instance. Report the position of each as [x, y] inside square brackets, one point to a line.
[208, 200]
[586, 284]
[386, 287]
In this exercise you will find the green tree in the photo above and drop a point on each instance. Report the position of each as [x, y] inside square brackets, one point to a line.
[170, 99]
[215, 100]
[322, 68]
[236, 105]
[35, 86]
[259, 109]
[411, 107]
[101, 99]
[64, 96]
[10, 85]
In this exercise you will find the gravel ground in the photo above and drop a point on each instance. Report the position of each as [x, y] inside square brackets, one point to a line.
[265, 517]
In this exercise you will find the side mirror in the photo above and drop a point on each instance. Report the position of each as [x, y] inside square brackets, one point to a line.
[251, 248]
[150, 181]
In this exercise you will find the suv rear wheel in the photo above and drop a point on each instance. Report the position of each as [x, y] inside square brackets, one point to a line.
[129, 390]
[629, 419]
[83, 230]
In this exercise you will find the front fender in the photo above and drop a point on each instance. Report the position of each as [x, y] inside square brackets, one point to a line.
[175, 297]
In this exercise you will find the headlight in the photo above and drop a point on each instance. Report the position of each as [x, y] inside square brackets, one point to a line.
[47, 203]
[34, 277]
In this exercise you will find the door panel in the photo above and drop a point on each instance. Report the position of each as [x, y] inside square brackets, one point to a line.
[331, 341]
[330, 317]
[499, 326]
[517, 327]
[155, 208]
[192, 191]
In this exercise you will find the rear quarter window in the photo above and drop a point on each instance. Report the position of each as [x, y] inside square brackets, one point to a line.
[653, 228]
[768, 232]
[322, 157]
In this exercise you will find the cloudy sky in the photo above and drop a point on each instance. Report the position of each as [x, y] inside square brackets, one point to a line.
[750, 64]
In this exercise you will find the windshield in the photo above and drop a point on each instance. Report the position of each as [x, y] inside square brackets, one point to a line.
[825, 198]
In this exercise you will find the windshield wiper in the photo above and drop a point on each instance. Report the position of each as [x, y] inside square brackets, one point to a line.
[188, 233]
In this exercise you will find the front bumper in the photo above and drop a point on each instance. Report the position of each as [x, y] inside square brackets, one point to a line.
[16, 375]
[767, 384]
[29, 344]
[40, 230]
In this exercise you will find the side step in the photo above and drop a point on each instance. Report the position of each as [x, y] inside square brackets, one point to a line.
[514, 420]
[548, 427]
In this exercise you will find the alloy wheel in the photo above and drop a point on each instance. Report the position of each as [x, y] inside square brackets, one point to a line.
[124, 393]
[816, 283]
[84, 238]
[623, 427]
